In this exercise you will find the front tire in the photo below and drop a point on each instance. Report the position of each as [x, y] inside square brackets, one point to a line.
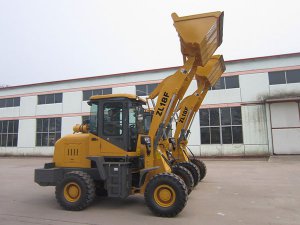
[185, 175]
[202, 167]
[194, 171]
[76, 191]
[166, 195]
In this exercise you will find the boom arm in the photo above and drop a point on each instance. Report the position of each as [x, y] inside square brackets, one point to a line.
[169, 92]
[206, 77]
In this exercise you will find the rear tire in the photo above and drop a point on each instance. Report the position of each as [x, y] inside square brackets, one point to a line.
[194, 171]
[202, 167]
[166, 195]
[185, 175]
[76, 191]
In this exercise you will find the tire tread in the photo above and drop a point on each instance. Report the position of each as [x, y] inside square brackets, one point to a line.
[84, 201]
[181, 195]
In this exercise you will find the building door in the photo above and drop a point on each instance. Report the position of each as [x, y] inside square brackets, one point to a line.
[285, 123]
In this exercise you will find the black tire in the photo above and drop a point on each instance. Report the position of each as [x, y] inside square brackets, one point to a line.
[202, 167]
[177, 197]
[185, 175]
[76, 191]
[194, 171]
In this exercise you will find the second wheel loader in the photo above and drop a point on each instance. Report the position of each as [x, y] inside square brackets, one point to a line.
[206, 77]
[117, 153]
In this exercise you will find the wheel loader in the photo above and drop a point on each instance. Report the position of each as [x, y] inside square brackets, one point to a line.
[206, 77]
[122, 152]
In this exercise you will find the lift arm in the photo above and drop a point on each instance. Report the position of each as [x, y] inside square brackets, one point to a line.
[206, 77]
[169, 92]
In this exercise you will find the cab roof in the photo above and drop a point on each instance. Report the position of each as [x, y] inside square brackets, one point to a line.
[130, 96]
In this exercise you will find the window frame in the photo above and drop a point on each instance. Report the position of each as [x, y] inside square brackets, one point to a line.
[148, 88]
[204, 135]
[14, 133]
[286, 73]
[101, 91]
[273, 74]
[47, 98]
[15, 102]
[224, 83]
[289, 73]
[42, 131]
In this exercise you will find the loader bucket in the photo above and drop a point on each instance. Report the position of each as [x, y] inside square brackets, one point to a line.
[212, 71]
[200, 35]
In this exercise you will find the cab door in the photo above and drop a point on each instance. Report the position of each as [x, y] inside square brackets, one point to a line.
[112, 127]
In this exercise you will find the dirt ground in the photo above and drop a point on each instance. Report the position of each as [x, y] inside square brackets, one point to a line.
[235, 191]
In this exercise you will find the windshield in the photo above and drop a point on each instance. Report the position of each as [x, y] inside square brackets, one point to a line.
[140, 118]
[93, 119]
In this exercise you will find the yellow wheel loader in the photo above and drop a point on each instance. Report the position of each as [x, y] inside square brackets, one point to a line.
[120, 152]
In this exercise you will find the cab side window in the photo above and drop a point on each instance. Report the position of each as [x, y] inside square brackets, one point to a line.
[113, 119]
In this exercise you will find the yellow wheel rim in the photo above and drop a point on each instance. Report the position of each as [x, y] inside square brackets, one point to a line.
[72, 192]
[164, 195]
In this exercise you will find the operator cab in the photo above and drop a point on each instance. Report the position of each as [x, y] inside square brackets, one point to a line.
[118, 119]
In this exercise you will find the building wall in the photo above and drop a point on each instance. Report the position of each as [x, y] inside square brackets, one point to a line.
[253, 90]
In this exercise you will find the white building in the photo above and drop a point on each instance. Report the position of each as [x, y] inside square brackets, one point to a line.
[253, 110]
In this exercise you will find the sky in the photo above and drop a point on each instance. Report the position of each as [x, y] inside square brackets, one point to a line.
[48, 40]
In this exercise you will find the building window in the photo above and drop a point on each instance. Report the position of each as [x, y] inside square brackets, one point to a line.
[226, 83]
[9, 102]
[221, 125]
[277, 77]
[9, 133]
[50, 99]
[284, 77]
[293, 76]
[87, 94]
[48, 131]
[145, 89]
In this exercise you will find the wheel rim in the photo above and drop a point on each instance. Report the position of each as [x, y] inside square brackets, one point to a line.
[72, 192]
[164, 195]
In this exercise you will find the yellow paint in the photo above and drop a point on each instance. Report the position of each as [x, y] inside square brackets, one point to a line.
[206, 77]
[84, 128]
[72, 192]
[130, 96]
[164, 195]
[74, 149]
[200, 35]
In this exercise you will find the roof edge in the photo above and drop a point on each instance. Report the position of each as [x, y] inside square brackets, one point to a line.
[264, 57]
[140, 71]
